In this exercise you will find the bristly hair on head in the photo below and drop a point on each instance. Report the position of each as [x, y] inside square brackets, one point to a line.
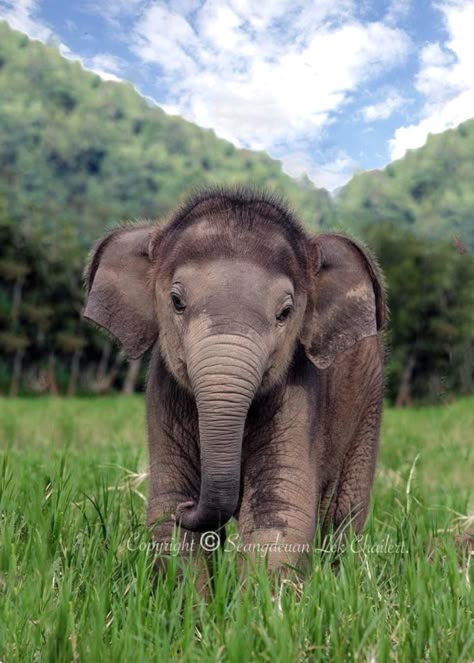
[268, 206]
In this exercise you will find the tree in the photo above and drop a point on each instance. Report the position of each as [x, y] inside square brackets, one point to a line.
[73, 345]
[431, 300]
[429, 191]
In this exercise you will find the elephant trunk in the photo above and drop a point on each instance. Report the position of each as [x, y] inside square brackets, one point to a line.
[225, 372]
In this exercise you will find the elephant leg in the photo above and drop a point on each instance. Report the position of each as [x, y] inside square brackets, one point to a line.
[170, 540]
[278, 508]
[174, 479]
[347, 501]
[173, 441]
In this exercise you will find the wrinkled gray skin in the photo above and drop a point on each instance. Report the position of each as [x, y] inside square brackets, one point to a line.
[265, 386]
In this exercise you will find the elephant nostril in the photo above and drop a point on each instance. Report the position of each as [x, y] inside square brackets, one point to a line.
[184, 507]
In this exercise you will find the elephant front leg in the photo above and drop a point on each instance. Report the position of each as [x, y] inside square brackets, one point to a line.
[174, 479]
[278, 508]
[350, 500]
[170, 541]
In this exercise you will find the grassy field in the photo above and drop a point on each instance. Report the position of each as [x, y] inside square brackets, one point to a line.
[76, 581]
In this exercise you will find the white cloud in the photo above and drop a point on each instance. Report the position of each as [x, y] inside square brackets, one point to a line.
[266, 73]
[397, 10]
[22, 15]
[383, 109]
[102, 64]
[445, 79]
[107, 61]
[116, 9]
[165, 37]
[105, 65]
[330, 175]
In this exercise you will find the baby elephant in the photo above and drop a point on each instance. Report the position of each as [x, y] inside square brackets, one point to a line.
[265, 386]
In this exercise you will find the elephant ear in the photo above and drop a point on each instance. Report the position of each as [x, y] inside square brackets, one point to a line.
[120, 291]
[348, 301]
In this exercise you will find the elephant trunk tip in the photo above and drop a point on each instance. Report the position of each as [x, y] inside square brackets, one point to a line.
[193, 517]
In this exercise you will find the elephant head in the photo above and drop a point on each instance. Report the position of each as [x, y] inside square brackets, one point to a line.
[229, 287]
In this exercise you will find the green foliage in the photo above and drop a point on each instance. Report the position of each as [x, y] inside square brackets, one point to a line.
[429, 191]
[78, 155]
[431, 298]
[76, 572]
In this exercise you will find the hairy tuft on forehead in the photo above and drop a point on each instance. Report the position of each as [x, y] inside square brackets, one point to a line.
[237, 223]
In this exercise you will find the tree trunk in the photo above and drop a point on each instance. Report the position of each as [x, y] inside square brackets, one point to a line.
[16, 375]
[16, 301]
[104, 361]
[132, 376]
[74, 373]
[105, 383]
[404, 389]
[52, 383]
[465, 372]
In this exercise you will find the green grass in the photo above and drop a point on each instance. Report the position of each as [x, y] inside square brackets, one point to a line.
[73, 587]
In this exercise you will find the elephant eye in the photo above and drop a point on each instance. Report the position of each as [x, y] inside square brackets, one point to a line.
[285, 313]
[178, 302]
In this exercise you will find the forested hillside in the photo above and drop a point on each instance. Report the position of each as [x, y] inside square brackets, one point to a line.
[429, 192]
[78, 155]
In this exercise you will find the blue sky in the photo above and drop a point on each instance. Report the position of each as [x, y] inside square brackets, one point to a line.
[327, 87]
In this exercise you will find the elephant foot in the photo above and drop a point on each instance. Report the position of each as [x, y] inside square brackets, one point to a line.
[283, 552]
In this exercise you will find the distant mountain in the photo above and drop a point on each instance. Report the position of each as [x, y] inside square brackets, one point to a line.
[430, 191]
[78, 154]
